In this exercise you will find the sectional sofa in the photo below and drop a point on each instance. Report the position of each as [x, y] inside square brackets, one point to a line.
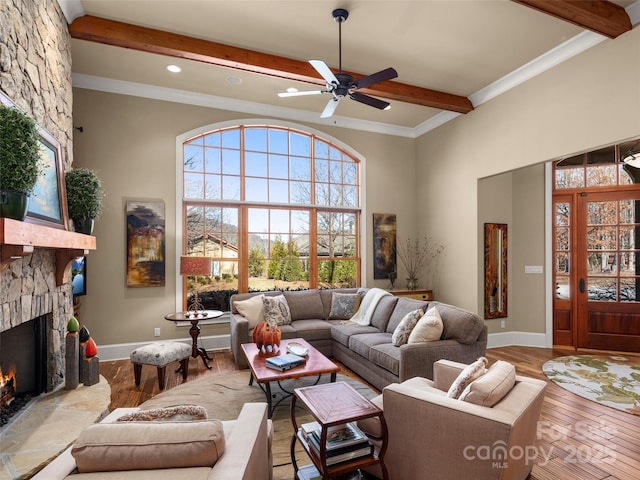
[369, 350]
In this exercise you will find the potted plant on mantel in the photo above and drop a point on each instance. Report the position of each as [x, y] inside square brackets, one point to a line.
[20, 163]
[84, 198]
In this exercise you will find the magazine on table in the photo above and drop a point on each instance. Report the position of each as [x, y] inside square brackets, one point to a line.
[344, 435]
[334, 457]
[284, 362]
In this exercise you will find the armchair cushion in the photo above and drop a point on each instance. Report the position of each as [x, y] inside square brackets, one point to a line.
[469, 374]
[428, 328]
[491, 387]
[252, 309]
[148, 445]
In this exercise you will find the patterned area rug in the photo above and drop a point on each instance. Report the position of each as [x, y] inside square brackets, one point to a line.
[612, 380]
[224, 395]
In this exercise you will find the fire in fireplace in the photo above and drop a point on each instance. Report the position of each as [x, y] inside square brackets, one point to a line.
[7, 388]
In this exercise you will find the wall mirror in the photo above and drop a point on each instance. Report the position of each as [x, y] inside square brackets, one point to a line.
[495, 270]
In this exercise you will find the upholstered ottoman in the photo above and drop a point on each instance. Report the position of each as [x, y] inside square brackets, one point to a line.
[160, 355]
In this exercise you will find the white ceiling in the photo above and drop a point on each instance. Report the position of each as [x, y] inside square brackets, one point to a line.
[472, 48]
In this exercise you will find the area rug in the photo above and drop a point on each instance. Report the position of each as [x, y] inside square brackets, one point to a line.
[224, 395]
[611, 380]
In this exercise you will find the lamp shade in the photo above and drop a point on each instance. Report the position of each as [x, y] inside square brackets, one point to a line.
[195, 265]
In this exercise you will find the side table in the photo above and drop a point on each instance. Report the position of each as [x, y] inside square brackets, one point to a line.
[334, 404]
[194, 331]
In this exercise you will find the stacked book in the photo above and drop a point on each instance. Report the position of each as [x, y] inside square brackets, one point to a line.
[284, 362]
[345, 442]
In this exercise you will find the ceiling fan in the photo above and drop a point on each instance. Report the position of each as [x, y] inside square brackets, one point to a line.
[342, 84]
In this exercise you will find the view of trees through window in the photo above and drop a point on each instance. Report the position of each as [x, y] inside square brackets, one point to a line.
[275, 208]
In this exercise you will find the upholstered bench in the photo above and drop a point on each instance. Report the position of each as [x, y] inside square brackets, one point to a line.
[160, 355]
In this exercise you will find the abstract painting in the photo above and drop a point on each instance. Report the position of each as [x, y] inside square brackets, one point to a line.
[384, 246]
[145, 243]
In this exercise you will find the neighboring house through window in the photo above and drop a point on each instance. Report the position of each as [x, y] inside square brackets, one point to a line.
[275, 207]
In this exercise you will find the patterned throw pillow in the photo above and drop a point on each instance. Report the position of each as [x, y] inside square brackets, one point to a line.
[468, 375]
[276, 310]
[403, 330]
[178, 413]
[344, 305]
[428, 329]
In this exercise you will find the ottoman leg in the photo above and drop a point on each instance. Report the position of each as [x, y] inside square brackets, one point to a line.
[161, 375]
[184, 366]
[137, 371]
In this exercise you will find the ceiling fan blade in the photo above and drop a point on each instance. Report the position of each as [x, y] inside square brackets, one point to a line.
[381, 76]
[367, 100]
[330, 108]
[299, 94]
[324, 71]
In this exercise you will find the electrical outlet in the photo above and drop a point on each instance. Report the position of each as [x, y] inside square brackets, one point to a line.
[502, 323]
[156, 332]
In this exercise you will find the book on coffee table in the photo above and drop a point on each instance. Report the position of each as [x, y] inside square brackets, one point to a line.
[284, 362]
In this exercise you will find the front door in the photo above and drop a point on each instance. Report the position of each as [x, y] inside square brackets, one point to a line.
[608, 270]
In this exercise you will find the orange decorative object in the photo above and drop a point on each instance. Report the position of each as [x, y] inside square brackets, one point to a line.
[267, 337]
[91, 349]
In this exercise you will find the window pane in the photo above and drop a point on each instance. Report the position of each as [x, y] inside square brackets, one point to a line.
[231, 188]
[562, 263]
[213, 189]
[322, 170]
[602, 263]
[628, 264]
[627, 238]
[231, 162]
[562, 288]
[212, 140]
[601, 238]
[570, 177]
[602, 289]
[562, 213]
[278, 166]
[193, 158]
[562, 238]
[628, 209]
[258, 220]
[256, 164]
[301, 168]
[629, 289]
[212, 160]
[256, 190]
[299, 221]
[255, 139]
[278, 141]
[279, 191]
[602, 213]
[321, 149]
[193, 185]
[602, 156]
[350, 173]
[231, 139]
[301, 193]
[280, 221]
[601, 175]
[337, 273]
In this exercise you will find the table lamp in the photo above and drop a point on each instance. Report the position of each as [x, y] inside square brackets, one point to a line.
[194, 266]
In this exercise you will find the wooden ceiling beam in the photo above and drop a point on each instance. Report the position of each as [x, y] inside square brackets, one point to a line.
[110, 32]
[600, 16]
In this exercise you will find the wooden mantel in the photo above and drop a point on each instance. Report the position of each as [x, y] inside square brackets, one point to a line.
[18, 239]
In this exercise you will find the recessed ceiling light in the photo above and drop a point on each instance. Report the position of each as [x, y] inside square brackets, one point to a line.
[174, 68]
[233, 80]
[292, 89]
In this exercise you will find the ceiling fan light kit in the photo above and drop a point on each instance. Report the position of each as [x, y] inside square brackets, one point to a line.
[341, 84]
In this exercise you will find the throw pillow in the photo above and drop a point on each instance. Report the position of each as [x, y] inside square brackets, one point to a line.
[251, 309]
[106, 447]
[276, 310]
[344, 305]
[468, 375]
[428, 329]
[178, 413]
[491, 387]
[401, 334]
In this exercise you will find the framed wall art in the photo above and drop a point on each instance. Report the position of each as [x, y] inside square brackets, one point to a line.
[145, 243]
[384, 246]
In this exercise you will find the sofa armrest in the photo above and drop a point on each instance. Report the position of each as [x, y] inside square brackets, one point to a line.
[239, 326]
[247, 453]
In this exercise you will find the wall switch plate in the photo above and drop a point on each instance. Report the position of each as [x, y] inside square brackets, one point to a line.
[502, 323]
[156, 332]
[533, 269]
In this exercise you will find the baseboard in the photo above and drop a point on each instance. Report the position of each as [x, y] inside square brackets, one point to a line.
[121, 351]
[523, 339]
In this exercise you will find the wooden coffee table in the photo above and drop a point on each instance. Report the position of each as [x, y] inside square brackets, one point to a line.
[317, 364]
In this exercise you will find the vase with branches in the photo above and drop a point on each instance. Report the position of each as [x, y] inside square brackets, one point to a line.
[415, 254]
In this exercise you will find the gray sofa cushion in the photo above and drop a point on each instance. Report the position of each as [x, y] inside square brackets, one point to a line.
[386, 355]
[305, 304]
[459, 324]
[404, 306]
[312, 329]
[362, 343]
[341, 332]
[383, 311]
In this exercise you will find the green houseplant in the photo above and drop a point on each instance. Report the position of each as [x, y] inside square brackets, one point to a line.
[84, 198]
[20, 163]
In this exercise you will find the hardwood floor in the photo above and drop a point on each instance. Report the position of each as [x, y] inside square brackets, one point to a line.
[578, 439]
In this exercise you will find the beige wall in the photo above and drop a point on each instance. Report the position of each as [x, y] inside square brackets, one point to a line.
[131, 142]
[586, 102]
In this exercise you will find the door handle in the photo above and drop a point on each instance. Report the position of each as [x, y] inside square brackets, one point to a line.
[581, 285]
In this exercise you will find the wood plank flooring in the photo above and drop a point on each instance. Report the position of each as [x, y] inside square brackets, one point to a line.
[578, 439]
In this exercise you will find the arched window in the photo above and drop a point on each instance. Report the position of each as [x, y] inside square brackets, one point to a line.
[274, 207]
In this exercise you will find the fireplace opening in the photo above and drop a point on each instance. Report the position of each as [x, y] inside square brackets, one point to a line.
[23, 366]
